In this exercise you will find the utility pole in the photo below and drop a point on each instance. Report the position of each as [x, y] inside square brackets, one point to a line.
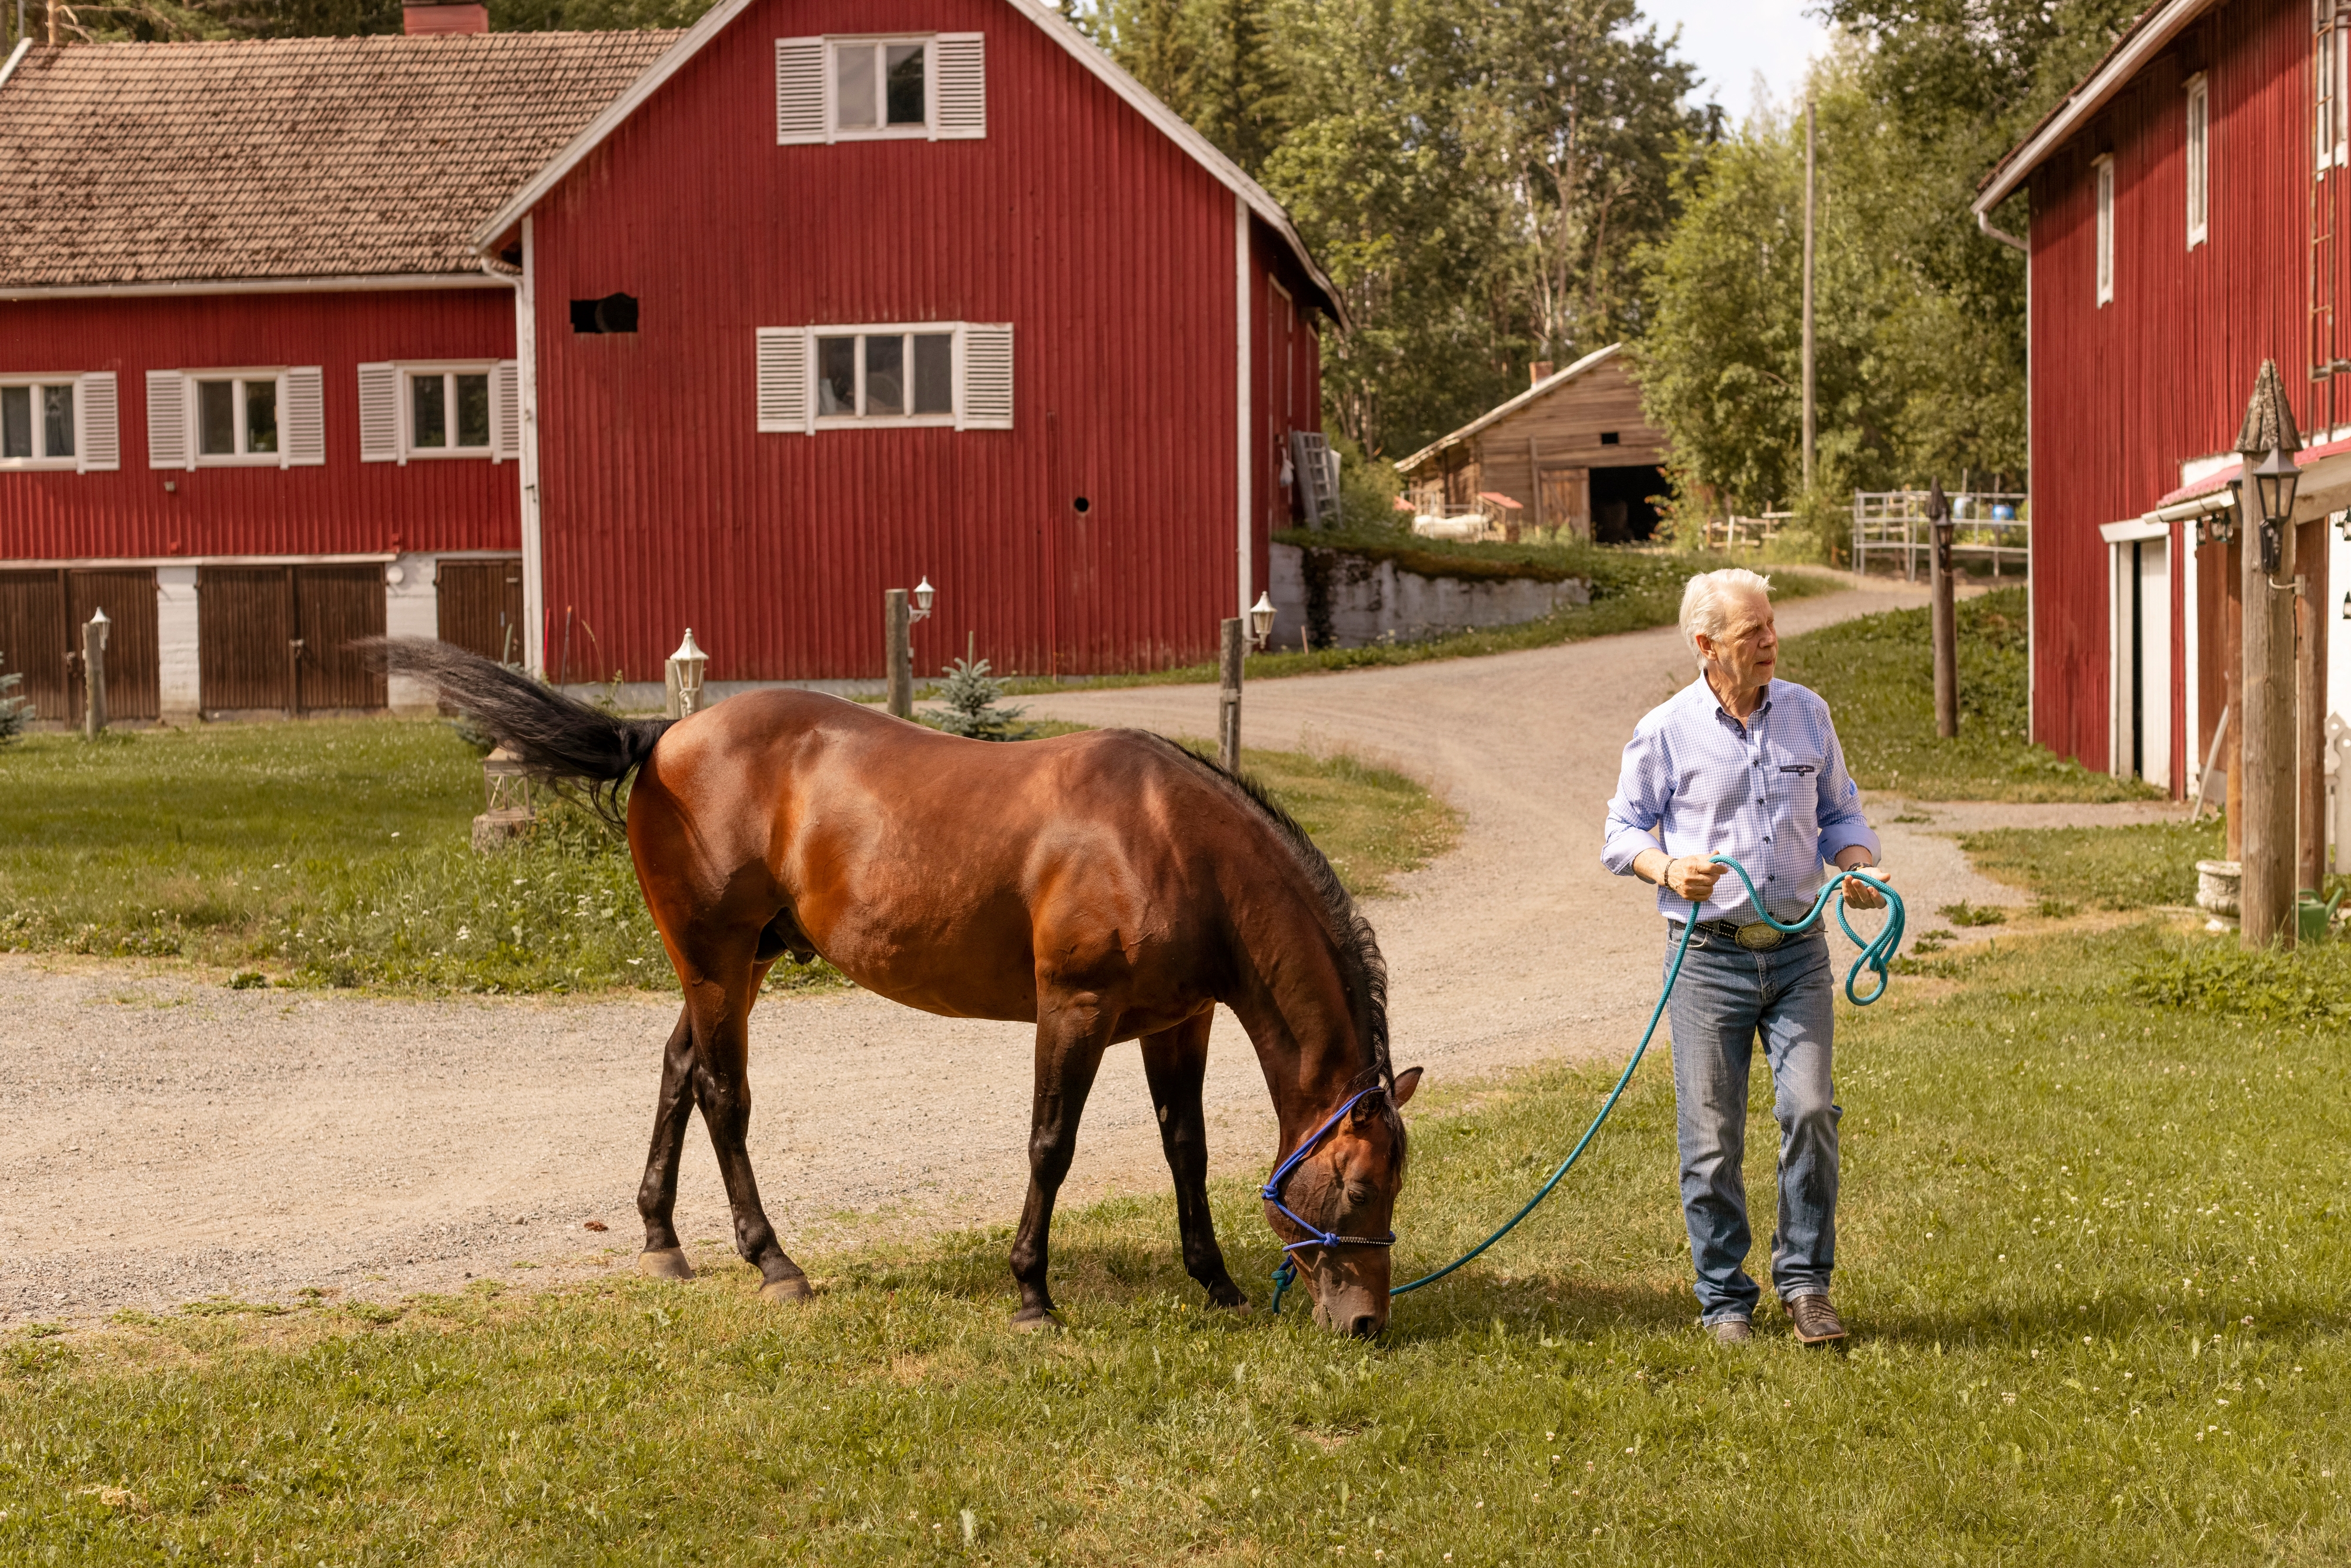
[1945, 616]
[1809, 160]
[2266, 914]
[93, 670]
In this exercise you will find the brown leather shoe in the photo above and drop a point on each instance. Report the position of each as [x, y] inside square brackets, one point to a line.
[1816, 1322]
[1731, 1330]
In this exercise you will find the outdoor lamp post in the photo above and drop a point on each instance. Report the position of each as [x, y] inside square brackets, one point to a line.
[93, 670]
[684, 677]
[2269, 793]
[1260, 621]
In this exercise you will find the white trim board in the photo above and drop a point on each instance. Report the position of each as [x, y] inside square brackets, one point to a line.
[77, 563]
[1040, 13]
[369, 283]
[2129, 528]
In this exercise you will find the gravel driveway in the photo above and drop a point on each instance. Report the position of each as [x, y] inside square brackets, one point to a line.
[164, 1139]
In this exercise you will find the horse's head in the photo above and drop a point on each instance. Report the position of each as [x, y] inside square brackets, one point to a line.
[1344, 1185]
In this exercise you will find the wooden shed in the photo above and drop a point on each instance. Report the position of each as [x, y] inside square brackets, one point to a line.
[1573, 450]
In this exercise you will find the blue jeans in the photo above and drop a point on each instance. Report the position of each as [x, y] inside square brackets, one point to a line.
[1724, 996]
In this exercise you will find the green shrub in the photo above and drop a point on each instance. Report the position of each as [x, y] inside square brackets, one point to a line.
[2208, 976]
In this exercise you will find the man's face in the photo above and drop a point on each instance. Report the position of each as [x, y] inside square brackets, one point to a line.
[1747, 654]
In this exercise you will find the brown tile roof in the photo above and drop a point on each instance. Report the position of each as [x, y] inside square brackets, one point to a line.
[285, 157]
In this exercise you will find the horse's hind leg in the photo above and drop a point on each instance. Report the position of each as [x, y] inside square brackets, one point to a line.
[722, 1087]
[1071, 1037]
[1175, 1063]
[657, 1194]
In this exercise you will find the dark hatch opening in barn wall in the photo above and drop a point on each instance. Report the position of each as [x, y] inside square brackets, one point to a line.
[1624, 503]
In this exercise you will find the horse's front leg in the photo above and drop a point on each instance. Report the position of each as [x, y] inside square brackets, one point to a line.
[1175, 1064]
[1071, 1032]
[657, 1194]
[720, 1001]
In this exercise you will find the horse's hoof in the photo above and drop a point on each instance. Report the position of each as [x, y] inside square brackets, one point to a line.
[790, 1287]
[665, 1263]
[1035, 1320]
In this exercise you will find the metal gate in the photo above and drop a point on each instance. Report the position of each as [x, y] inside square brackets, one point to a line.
[41, 615]
[277, 637]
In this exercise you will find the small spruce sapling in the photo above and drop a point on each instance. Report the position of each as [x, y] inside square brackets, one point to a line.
[972, 696]
[16, 712]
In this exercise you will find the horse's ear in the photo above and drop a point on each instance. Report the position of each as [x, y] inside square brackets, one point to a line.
[1405, 1083]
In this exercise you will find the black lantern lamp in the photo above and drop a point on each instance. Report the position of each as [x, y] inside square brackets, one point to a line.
[2274, 482]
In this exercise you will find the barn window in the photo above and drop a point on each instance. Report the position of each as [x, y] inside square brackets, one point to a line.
[58, 422]
[439, 409]
[941, 373]
[237, 418]
[2104, 168]
[2199, 125]
[929, 86]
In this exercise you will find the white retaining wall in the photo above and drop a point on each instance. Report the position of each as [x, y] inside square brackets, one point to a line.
[1375, 600]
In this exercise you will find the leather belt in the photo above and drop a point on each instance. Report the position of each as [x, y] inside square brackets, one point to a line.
[1755, 935]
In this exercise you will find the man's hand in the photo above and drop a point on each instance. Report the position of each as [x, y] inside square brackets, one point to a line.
[1858, 894]
[1685, 876]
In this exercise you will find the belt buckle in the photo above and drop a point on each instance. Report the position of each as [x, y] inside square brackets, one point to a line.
[1760, 936]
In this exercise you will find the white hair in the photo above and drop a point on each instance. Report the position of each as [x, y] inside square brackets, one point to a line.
[1706, 602]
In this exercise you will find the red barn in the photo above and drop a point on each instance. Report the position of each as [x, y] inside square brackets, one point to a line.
[2190, 219]
[816, 299]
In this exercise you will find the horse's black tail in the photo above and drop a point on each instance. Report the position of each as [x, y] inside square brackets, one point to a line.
[556, 737]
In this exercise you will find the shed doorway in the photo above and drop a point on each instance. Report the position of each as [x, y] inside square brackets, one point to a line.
[42, 612]
[1624, 503]
[277, 639]
[2142, 658]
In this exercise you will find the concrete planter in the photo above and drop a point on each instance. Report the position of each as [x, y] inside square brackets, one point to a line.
[1348, 600]
[2217, 883]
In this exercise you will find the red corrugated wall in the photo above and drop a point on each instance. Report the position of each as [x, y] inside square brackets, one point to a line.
[1110, 250]
[343, 507]
[2123, 394]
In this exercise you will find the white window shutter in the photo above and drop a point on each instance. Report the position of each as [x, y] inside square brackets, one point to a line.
[379, 412]
[98, 440]
[963, 85]
[987, 401]
[305, 418]
[167, 442]
[783, 380]
[507, 392]
[800, 91]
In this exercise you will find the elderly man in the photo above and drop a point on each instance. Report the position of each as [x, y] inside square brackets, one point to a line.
[1743, 764]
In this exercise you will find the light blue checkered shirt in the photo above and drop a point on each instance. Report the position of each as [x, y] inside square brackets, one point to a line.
[1773, 794]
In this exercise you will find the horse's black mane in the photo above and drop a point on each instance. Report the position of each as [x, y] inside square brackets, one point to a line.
[1359, 948]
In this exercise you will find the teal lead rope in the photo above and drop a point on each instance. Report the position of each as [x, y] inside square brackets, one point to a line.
[1876, 953]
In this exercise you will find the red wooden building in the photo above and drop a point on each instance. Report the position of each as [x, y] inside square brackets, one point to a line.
[742, 327]
[2188, 219]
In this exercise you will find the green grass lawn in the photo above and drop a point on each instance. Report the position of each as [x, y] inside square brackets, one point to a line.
[2090, 1247]
[2131, 867]
[335, 852]
[1632, 589]
[1878, 673]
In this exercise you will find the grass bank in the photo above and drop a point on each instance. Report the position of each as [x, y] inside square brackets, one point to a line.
[1631, 589]
[335, 852]
[2132, 867]
[1878, 673]
[2089, 1244]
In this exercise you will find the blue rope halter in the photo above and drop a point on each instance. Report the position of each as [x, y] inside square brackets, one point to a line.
[1315, 1235]
[1876, 953]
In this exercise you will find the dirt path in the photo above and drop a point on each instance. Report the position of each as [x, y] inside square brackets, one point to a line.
[164, 1139]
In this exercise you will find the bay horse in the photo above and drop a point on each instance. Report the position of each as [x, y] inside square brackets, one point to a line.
[1106, 887]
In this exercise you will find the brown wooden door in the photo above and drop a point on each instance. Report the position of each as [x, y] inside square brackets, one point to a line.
[35, 638]
[481, 607]
[334, 605]
[244, 635]
[1567, 500]
[134, 662]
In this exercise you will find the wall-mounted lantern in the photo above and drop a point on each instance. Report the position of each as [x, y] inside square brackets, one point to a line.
[924, 594]
[1261, 618]
[2274, 483]
[509, 802]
